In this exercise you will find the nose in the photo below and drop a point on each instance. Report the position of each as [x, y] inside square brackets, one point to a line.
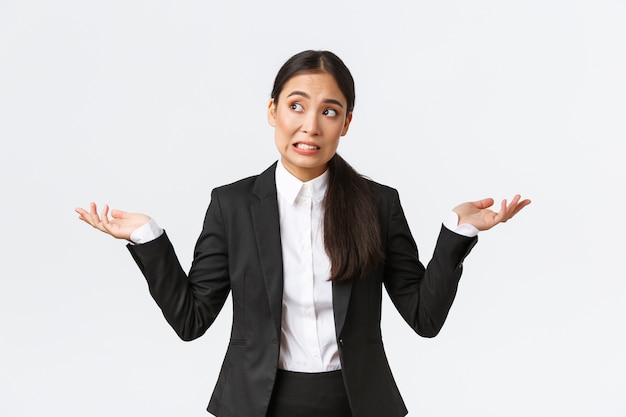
[310, 124]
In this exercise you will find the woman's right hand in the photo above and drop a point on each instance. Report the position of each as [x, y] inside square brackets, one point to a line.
[120, 226]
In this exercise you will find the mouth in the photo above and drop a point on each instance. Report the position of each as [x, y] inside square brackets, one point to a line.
[305, 146]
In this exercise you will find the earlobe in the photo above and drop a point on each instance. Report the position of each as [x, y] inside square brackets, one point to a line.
[271, 113]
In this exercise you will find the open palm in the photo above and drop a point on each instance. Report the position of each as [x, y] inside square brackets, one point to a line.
[120, 226]
[478, 213]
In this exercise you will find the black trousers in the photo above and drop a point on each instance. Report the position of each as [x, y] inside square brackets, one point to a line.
[301, 394]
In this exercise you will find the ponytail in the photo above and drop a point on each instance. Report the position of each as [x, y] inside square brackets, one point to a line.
[351, 226]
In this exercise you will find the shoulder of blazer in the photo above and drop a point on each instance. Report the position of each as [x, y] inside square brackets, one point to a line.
[383, 194]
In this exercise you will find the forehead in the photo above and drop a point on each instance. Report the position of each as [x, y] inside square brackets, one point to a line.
[317, 84]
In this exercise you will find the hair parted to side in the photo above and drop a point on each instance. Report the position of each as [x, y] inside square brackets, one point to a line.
[316, 61]
[352, 236]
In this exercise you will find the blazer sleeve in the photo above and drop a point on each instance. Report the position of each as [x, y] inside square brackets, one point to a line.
[190, 303]
[422, 296]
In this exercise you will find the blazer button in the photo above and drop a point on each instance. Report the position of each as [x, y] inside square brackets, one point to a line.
[341, 342]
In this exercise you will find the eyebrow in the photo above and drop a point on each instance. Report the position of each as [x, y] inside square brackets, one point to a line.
[305, 95]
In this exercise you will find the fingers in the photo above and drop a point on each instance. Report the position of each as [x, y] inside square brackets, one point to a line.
[507, 211]
[81, 213]
[92, 217]
[84, 216]
[105, 219]
[519, 206]
[501, 216]
[105, 214]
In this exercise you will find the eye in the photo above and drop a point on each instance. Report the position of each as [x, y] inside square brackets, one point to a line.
[330, 113]
[297, 107]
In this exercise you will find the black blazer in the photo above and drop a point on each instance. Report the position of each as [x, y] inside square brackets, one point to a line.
[239, 251]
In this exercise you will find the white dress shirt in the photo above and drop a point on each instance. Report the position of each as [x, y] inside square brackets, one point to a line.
[308, 341]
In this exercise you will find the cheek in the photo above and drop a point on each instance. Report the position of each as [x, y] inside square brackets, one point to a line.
[282, 133]
[285, 122]
[337, 129]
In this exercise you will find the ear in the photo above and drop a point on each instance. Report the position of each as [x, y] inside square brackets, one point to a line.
[271, 113]
[346, 124]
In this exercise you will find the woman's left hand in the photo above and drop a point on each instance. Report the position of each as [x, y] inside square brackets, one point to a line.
[478, 214]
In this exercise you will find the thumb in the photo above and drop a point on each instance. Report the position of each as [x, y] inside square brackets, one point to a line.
[484, 203]
[118, 214]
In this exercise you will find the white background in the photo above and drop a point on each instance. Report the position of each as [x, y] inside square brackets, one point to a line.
[148, 105]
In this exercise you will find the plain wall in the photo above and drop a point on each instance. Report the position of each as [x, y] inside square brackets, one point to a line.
[149, 105]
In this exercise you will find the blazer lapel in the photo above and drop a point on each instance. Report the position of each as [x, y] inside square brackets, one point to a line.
[341, 300]
[267, 232]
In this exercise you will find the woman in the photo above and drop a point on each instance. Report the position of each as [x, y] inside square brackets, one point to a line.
[305, 248]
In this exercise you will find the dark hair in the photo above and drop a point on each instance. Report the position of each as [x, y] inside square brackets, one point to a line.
[352, 237]
[312, 62]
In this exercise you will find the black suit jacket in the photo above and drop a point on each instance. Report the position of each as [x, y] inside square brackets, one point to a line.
[239, 251]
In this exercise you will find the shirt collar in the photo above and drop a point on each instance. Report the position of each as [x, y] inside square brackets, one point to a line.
[289, 187]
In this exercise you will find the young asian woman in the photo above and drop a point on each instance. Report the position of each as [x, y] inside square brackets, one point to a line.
[305, 249]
